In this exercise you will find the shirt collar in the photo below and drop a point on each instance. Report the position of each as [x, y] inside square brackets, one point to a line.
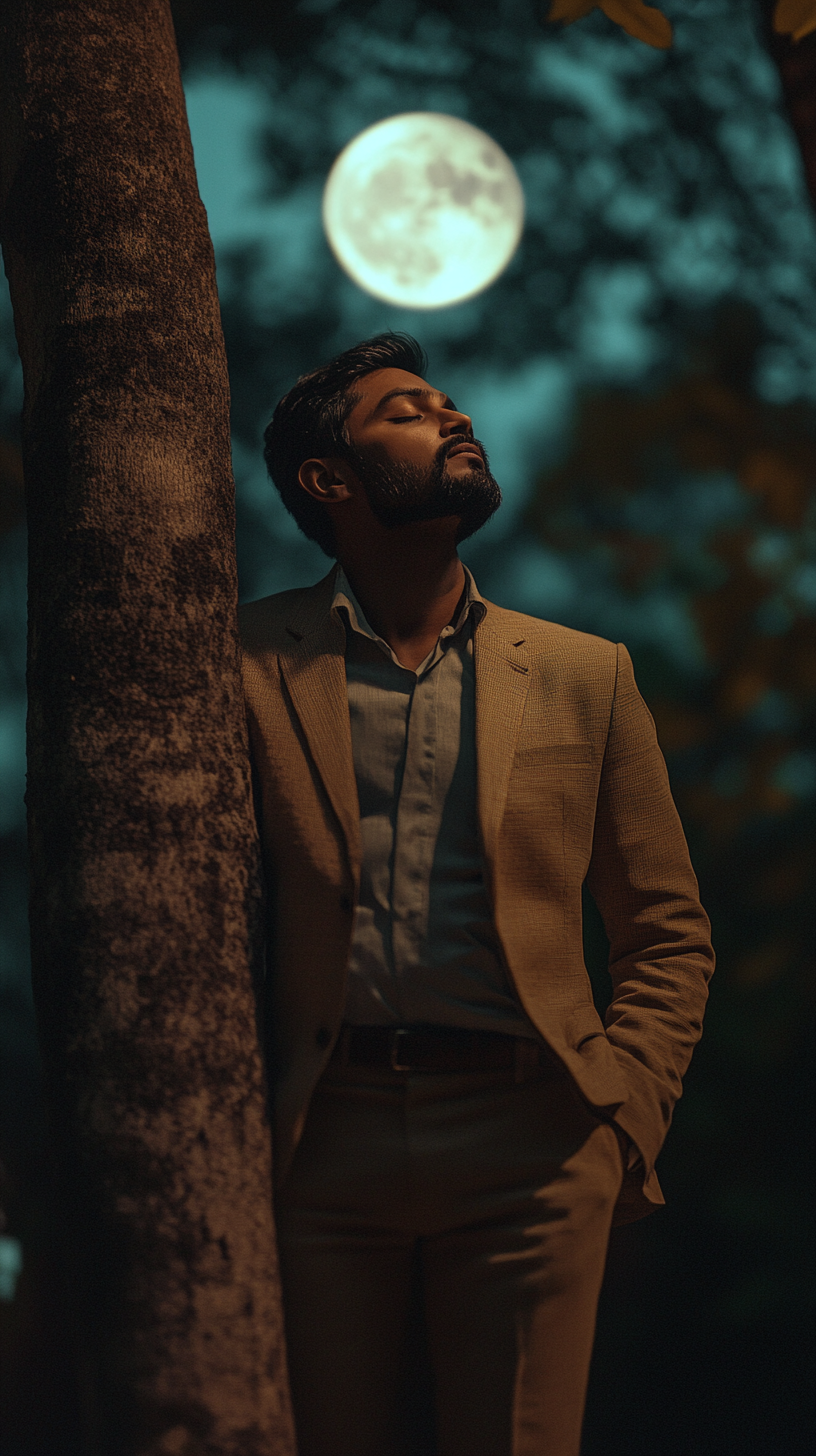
[346, 607]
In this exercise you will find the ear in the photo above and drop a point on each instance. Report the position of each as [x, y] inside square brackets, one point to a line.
[327, 481]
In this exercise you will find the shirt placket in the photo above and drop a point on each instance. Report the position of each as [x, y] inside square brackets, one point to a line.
[415, 830]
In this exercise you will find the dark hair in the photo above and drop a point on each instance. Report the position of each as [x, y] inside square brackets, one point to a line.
[310, 422]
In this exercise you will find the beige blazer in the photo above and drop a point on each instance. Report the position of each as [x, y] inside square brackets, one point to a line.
[571, 786]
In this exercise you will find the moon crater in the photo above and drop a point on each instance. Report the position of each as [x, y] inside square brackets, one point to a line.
[423, 210]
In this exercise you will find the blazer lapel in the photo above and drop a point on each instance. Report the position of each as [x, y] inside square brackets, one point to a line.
[315, 674]
[502, 678]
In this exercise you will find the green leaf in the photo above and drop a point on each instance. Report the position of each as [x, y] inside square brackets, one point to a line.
[642, 21]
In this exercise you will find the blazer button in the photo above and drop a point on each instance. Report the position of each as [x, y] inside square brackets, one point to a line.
[323, 1037]
[346, 903]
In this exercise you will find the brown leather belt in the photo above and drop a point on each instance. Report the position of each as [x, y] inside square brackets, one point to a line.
[437, 1049]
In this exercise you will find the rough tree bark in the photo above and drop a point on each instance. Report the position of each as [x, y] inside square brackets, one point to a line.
[143, 849]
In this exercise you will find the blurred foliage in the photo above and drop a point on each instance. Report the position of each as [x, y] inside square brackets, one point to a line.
[737, 728]
[654, 182]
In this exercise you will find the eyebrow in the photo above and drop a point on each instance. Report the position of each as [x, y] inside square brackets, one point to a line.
[409, 393]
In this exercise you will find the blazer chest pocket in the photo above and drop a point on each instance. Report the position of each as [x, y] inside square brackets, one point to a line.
[553, 755]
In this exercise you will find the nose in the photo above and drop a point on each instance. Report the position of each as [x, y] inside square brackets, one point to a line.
[454, 422]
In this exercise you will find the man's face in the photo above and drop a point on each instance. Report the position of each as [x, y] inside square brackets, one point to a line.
[415, 454]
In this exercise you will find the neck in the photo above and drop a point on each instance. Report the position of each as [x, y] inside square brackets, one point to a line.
[408, 582]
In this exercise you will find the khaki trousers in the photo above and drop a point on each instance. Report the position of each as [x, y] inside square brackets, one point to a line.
[505, 1191]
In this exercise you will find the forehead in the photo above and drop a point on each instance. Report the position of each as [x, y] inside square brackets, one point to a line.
[372, 388]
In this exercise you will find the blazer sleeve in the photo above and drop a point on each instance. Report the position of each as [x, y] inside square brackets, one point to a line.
[660, 957]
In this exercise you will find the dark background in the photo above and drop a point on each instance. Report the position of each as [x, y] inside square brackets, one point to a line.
[644, 378]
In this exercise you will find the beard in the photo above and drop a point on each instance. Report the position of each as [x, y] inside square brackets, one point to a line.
[400, 494]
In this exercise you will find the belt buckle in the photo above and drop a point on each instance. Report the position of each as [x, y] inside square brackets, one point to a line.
[396, 1037]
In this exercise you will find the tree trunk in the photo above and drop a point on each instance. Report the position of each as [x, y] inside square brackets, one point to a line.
[796, 64]
[144, 856]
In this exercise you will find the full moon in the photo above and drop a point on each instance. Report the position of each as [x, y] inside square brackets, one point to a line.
[423, 209]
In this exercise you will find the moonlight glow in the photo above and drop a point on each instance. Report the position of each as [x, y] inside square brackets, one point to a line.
[423, 209]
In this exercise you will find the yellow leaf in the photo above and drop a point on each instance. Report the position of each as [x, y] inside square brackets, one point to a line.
[795, 17]
[642, 21]
[569, 10]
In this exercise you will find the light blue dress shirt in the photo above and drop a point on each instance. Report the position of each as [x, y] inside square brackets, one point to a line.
[424, 947]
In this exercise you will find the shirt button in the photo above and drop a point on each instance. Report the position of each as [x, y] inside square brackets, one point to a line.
[323, 1037]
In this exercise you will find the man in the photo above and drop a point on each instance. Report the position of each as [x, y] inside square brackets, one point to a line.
[437, 778]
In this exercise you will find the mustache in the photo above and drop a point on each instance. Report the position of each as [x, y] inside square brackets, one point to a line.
[454, 442]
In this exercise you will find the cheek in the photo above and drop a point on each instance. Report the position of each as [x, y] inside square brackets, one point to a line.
[397, 458]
